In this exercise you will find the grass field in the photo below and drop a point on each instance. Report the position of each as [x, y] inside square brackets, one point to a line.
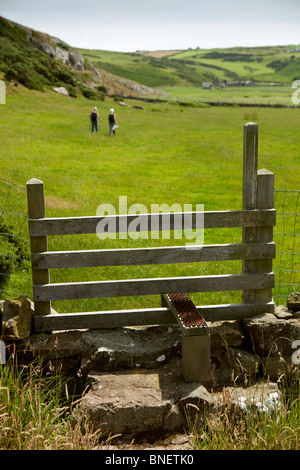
[165, 154]
[250, 95]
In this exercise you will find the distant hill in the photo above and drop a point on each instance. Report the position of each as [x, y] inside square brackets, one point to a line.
[38, 60]
[278, 64]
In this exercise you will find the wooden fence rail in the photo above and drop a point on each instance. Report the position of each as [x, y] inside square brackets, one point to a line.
[256, 251]
[148, 256]
[121, 223]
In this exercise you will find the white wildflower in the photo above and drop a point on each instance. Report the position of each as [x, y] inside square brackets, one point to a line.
[242, 403]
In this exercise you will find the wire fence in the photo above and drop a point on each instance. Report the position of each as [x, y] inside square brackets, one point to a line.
[15, 268]
[287, 239]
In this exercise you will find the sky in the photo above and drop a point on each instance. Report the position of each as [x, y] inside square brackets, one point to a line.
[131, 25]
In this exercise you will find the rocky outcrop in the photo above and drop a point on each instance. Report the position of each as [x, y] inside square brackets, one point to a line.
[61, 90]
[114, 84]
[57, 49]
[92, 77]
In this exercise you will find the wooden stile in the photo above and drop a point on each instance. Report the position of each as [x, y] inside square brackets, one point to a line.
[256, 251]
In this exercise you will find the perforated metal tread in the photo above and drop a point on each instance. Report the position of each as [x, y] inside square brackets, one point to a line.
[188, 316]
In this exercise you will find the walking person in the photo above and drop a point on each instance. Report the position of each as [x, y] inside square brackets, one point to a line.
[94, 116]
[112, 120]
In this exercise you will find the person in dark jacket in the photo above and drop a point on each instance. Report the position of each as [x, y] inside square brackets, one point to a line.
[94, 116]
[112, 121]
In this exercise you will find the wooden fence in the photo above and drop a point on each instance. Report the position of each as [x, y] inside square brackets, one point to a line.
[256, 251]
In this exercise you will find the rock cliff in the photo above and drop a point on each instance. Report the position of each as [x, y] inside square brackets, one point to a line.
[82, 71]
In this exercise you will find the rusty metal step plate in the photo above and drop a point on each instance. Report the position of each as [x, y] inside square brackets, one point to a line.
[187, 314]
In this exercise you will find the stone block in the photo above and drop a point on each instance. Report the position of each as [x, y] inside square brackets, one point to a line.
[129, 348]
[224, 334]
[17, 318]
[293, 301]
[276, 366]
[128, 402]
[267, 335]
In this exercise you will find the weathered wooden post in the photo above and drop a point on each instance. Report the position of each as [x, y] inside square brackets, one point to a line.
[258, 193]
[250, 152]
[196, 366]
[265, 200]
[36, 210]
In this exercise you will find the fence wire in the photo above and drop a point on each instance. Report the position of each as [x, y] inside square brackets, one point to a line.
[287, 239]
[15, 268]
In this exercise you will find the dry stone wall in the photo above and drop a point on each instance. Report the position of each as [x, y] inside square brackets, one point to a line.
[133, 375]
[246, 349]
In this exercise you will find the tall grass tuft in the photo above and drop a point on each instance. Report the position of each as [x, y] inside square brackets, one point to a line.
[35, 415]
[274, 427]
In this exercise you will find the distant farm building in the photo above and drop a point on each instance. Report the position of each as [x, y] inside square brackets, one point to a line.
[239, 83]
[207, 85]
[296, 49]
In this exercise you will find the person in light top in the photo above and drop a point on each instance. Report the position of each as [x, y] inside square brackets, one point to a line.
[112, 121]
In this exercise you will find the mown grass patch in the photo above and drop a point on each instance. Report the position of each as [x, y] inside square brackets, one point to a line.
[183, 155]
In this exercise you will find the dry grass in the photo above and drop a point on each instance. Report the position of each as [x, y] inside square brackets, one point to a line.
[236, 427]
[36, 413]
[55, 202]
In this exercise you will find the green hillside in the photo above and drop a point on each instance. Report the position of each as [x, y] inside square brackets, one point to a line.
[146, 70]
[261, 64]
[23, 60]
[191, 67]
